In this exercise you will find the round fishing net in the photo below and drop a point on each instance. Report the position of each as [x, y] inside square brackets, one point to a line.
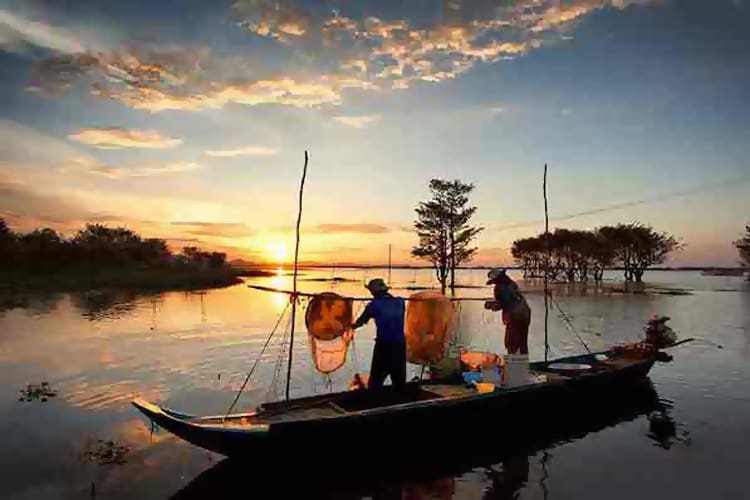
[328, 316]
[328, 319]
[430, 319]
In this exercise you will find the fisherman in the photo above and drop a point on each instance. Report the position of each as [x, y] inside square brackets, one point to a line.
[389, 356]
[658, 333]
[516, 312]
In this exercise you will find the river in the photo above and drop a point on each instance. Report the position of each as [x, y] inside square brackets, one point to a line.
[191, 351]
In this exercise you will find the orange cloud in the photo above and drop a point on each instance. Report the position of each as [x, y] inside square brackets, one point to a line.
[352, 228]
[357, 121]
[246, 151]
[117, 138]
[114, 172]
[215, 229]
[368, 53]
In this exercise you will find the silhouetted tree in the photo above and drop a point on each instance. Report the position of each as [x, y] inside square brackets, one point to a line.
[638, 247]
[445, 236]
[42, 248]
[576, 255]
[743, 247]
[7, 244]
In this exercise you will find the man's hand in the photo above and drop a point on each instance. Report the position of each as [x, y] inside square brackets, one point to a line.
[491, 305]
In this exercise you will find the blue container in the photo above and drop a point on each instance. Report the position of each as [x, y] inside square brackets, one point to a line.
[470, 377]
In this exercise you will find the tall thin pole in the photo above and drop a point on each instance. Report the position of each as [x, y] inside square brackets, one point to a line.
[546, 267]
[294, 278]
[389, 263]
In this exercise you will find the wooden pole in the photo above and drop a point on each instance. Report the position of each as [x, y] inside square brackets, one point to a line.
[293, 298]
[389, 264]
[546, 267]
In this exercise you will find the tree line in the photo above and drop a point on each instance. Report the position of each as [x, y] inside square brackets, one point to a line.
[95, 245]
[446, 240]
[575, 255]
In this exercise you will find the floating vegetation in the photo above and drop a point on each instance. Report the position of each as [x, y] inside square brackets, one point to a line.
[107, 453]
[34, 392]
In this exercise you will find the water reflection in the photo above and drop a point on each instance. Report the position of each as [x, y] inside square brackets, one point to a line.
[37, 303]
[98, 305]
[663, 429]
[432, 471]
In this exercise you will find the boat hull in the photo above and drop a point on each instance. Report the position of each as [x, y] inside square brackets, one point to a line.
[422, 423]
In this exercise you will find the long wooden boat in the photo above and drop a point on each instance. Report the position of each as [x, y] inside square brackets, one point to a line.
[462, 450]
[416, 414]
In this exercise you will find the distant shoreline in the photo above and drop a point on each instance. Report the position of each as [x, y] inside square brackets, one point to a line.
[288, 267]
[133, 277]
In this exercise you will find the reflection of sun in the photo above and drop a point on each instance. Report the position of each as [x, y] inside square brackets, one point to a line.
[279, 281]
[277, 251]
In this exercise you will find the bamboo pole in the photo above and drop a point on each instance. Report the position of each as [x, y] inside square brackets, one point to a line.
[546, 267]
[293, 298]
[389, 264]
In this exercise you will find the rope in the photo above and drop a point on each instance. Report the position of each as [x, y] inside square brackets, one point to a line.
[255, 364]
[569, 323]
[273, 387]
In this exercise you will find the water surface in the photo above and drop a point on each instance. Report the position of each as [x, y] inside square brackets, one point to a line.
[191, 351]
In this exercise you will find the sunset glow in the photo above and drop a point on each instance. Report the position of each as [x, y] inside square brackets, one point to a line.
[197, 136]
[277, 252]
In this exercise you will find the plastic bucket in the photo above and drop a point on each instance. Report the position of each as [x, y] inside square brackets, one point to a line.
[516, 369]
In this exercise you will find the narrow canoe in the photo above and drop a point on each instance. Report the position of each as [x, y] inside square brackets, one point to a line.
[417, 413]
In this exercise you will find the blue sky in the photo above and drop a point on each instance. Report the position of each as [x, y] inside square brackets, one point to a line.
[187, 120]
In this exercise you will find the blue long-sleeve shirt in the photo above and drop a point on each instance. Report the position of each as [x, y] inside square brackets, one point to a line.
[388, 313]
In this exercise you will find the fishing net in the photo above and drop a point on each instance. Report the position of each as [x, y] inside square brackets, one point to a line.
[330, 355]
[328, 316]
[429, 325]
[328, 319]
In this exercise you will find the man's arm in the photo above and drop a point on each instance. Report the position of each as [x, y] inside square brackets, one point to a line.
[363, 318]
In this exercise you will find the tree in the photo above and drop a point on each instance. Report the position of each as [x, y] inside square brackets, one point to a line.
[7, 244]
[42, 248]
[445, 236]
[638, 247]
[601, 254]
[743, 247]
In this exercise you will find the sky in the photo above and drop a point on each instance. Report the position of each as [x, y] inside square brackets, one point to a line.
[188, 120]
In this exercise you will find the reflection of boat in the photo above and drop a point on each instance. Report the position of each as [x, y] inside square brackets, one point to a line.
[417, 413]
[446, 455]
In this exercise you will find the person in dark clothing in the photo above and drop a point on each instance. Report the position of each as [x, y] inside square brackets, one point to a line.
[516, 312]
[389, 355]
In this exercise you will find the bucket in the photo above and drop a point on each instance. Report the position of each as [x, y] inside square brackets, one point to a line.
[516, 369]
[484, 387]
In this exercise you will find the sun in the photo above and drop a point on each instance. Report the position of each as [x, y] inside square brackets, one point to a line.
[277, 252]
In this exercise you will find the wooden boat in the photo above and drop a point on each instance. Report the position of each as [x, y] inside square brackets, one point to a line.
[456, 453]
[416, 414]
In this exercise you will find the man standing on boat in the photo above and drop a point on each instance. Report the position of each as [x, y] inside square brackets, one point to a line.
[389, 356]
[516, 312]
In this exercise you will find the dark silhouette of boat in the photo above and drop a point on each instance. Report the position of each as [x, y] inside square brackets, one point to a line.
[418, 413]
[353, 471]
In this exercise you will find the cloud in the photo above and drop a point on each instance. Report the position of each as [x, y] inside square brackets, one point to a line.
[332, 52]
[114, 172]
[20, 204]
[18, 33]
[117, 138]
[357, 121]
[246, 151]
[351, 228]
[25, 145]
[215, 229]
[496, 110]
